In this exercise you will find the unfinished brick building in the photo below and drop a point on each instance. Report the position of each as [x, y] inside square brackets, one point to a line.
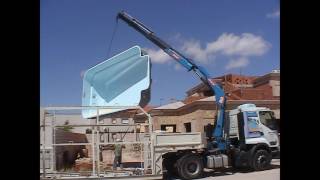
[237, 87]
[198, 109]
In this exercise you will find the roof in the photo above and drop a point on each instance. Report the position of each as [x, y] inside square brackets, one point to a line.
[174, 105]
[274, 75]
[148, 108]
[210, 98]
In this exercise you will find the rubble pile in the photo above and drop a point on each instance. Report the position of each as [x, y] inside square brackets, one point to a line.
[83, 164]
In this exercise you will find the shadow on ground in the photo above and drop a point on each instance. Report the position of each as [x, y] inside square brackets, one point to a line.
[231, 171]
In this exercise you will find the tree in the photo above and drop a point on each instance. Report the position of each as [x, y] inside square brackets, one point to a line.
[66, 126]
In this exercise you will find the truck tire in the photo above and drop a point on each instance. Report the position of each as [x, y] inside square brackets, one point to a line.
[190, 166]
[239, 160]
[261, 160]
[169, 171]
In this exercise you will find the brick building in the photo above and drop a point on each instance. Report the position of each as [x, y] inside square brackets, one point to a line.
[237, 87]
[194, 116]
[198, 108]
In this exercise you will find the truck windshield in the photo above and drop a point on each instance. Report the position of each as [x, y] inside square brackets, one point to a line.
[267, 119]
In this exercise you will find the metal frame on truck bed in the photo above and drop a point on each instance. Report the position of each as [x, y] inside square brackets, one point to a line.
[154, 145]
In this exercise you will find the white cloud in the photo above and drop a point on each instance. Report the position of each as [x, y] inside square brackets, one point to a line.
[227, 44]
[237, 63]
[193, 49]
[246, 44]
[274, 14]
[157, 56]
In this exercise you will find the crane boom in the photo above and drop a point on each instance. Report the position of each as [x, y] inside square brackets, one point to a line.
[190, 66]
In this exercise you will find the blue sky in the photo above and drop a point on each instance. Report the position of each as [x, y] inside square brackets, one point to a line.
[223, 36]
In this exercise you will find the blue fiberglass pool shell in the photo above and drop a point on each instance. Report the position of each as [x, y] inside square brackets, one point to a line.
[123, 80]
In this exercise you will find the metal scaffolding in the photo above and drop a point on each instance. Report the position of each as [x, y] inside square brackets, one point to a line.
[147, 152]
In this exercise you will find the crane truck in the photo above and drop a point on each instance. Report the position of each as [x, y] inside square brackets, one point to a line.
[243, 137]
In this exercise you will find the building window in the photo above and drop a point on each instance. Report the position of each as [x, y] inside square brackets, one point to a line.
[169, 128]
[125, 121]
[276, 90]
[114, 136]
[267, 118]
[114, 121]
[145, 128]
[102, 138]
[187, 126]
[88, 131]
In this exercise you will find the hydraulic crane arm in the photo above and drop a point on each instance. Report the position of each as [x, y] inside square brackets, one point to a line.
[190, 66]
[153, 38]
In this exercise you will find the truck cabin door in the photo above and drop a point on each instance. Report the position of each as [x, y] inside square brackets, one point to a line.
[269, 126]
[252, 125]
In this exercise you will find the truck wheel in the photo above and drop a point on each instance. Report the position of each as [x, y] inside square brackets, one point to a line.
[169, 171]
[261, 160]
[190, 166]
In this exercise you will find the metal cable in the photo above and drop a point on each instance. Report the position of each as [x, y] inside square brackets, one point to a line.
[112, 37]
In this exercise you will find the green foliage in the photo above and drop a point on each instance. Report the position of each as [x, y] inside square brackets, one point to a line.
[66, 126]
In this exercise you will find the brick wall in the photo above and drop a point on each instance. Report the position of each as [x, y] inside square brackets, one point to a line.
[199, 114]
[263, 92]
[237, 79]
[265, 87]
[198, 120]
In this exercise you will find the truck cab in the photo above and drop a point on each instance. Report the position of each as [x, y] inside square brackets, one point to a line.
[252, 128]
[258, 125]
